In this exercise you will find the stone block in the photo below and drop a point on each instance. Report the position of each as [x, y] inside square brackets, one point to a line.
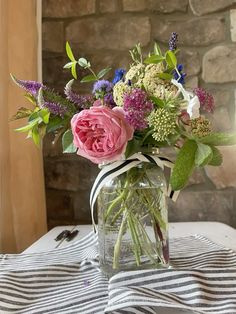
[107, 6]
[201, 7]
[102, 33]
[204, 206]
[71, 173]
[193, 31]
[59, 204]
[191, 82]
[198, 177]
[162, 6]
[219, 65]
[53, 72]
[233, 24]
[134, 5]
[68, 8]
[190, 60]
[224, 176]
[221, 121]
[82, 211]
[235, 109]
[53, 36]
[222, 97]
[167, 6]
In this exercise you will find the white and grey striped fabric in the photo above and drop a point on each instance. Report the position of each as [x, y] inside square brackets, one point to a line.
[202, 279]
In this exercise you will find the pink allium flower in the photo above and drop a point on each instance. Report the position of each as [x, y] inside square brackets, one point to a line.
[206, 99]
[137, 107]
[101, 134]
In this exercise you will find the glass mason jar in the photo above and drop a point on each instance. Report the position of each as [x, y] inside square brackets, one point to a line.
[133, 221]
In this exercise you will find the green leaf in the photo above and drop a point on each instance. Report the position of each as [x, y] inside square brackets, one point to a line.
[55, 123]
[165, 76]
[218, 139]
[44, 114]
[171, 59]
[154, 59]
[173, 138]
[31, 99]
[35, 135]
[69, 65]
[217, 158]
[157, 50]
[42, 130]
[83, 63]
[132, 147]
[28, 126]
[33, 116]
[184, 165]
[88, 78]
[73, 71]
[146, 136]
[203, 155]
[67, 142]
[157, 101]
[69, 52]
[103, 72]
[22, 113]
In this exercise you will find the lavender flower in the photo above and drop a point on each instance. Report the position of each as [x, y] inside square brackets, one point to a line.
[137, 107]
[173, 41]
[30, 87]
[54, 108]
[206, 99]
[119, 74]
[102, 86]
[80, 101]
[179, 75]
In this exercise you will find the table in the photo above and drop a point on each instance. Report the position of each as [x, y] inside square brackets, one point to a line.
[217, 232]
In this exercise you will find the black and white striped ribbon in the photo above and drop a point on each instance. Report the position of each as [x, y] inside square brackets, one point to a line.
[68, 280]
[114, 169]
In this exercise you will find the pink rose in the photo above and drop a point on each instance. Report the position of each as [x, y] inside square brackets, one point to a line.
[101, 134]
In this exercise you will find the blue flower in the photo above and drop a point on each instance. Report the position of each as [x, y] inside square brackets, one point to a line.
[179, 76]
[119, 74]
[102, 86]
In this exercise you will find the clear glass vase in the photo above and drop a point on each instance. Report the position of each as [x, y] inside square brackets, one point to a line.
[133, 221]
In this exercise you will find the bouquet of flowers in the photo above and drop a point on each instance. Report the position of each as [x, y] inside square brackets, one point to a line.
[143, 107]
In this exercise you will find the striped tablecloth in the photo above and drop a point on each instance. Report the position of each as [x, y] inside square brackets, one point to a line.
[68, 280]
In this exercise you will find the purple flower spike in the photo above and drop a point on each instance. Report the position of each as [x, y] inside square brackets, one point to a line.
[137, 107]
[55, 108]
[30, 87]
[173, 41]
[109, 101]
[80, 101]
[206, 99]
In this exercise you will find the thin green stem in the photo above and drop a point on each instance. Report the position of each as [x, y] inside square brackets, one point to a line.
[95, 75]
[117, 246]
[135, 239]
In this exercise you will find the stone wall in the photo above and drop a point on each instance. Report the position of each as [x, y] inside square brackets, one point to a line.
[103, 31]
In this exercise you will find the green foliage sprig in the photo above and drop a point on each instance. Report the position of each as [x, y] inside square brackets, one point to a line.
[85, 64]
